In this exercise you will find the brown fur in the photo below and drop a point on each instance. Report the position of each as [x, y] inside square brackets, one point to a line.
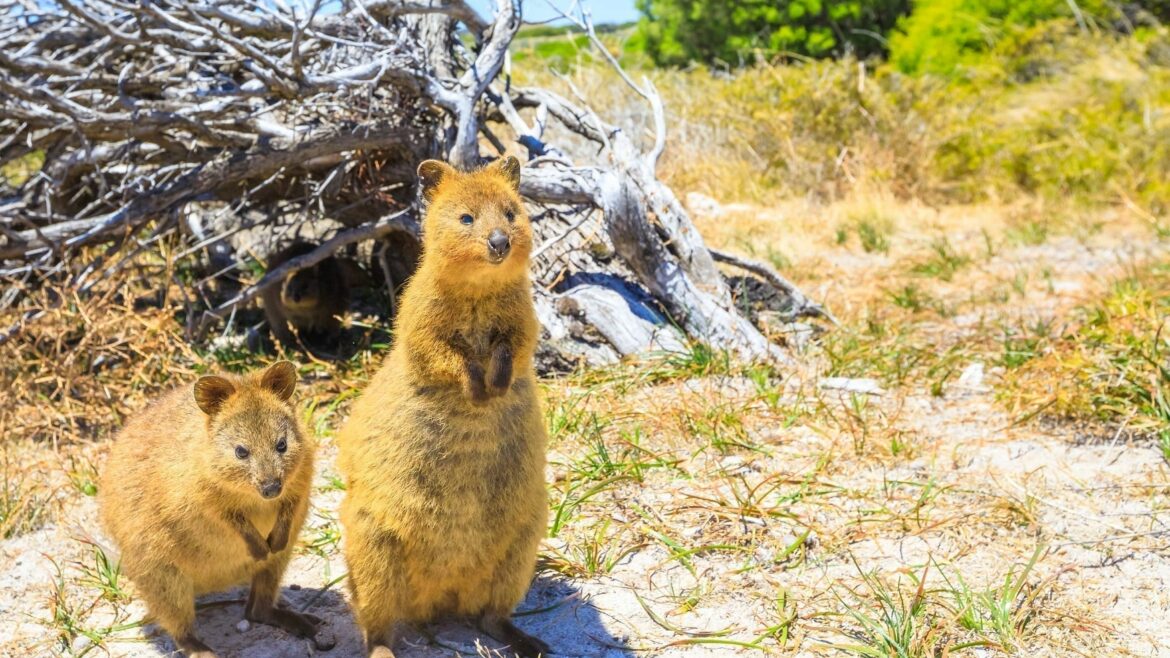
[188, 514]
[444, 453]
[308, 301]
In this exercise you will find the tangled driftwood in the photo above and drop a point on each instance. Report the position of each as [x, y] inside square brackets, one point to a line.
[142, 109]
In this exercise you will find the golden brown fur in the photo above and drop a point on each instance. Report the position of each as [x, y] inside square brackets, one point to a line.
[308, 301]
[444, 453]
[191, 516]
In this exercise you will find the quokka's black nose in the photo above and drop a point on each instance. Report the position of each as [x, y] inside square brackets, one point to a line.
[271, 488]
[498, 243]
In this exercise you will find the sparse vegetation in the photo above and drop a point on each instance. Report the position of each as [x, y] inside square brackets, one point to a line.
[1001, 614]
[943, 261]
[23, 507]
[892, 623]
[1109, 364]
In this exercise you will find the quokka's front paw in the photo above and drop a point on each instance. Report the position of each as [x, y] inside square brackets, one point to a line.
[499, 376]
[278, 540]
[257, 548]
[473, 384]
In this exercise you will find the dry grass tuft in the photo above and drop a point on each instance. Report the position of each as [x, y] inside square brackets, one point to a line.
[1110, 363]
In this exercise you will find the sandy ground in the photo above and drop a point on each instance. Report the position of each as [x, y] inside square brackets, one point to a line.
[1087, 499]
[765, 517]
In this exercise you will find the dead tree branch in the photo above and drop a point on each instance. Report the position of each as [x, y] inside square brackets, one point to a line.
[126, 114]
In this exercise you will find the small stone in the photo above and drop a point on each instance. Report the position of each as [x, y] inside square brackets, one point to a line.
[796, 334]
[243, 626]
[731, 462]
[861, 385]
[972, 377]
[80, 644]
[295, 587]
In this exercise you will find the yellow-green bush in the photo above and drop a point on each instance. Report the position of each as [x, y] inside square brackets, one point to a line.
[1099, 131]
[1051, 113]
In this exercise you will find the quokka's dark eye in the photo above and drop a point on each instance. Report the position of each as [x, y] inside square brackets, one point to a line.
[281, 446]
[511, 215]
[467, 220]
[242, 452]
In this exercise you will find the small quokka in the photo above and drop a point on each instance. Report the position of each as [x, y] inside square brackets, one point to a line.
[308, 301]
[444, 453]
[207, 489]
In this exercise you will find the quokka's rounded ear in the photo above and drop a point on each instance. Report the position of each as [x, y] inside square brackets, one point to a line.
[509, 167]
[430, 173]
[280, 378]
[211, 392]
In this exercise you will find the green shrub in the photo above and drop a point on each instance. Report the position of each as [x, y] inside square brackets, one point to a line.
[676, 32]
[943, 36]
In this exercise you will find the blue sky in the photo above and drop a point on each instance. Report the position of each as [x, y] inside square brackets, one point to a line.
[604, 11]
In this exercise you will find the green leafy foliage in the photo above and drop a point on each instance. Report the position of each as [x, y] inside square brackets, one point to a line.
[676, 32]
[941, 36]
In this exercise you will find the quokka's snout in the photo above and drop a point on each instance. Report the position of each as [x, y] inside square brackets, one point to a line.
[499, 244]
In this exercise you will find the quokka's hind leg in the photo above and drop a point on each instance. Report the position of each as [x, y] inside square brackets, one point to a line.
[261, 608]
[510, 582]
[374, 555]
[522, 644]
[170, 598]
[374, 609]
[193, 647]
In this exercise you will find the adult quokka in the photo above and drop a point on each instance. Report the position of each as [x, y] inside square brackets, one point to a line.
[444, 452]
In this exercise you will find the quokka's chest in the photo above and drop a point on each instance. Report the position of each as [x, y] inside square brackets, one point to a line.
[264, 520]
[480, 337]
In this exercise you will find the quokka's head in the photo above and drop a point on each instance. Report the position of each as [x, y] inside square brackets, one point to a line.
[476, 224]
[302, 289]
[256, 442]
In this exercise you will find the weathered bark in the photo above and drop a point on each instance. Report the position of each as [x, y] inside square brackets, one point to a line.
[143, 109]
